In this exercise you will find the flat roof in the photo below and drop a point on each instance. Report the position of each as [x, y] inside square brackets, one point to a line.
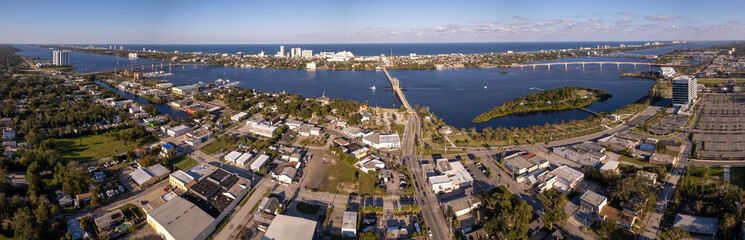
[201, 171]
[186, 87]
[158, 170]
[182, 177]
[610, 165]
[181, 218]
[301, 228]
[694, 224]
[141, 175]
[349, 221]
[593, 198]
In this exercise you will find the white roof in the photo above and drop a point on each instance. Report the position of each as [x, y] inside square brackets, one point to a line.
[181, 218]
[141, 175]
[259, 161]
[349, 221]
[179, 128]
[439, 179]
[158, 170]
[243, 159]
[182, 177]
[300, 228]
[610, 166]
[239, 115]
[232, 156]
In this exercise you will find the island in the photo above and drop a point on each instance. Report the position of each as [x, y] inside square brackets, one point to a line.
[547, 100]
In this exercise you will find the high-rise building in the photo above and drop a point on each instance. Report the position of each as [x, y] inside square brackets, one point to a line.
[295, 52]
[307, 53]
[684, 90]
[281, 52]
[61, 57]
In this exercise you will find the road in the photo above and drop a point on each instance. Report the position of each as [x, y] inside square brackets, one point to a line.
[652, 227]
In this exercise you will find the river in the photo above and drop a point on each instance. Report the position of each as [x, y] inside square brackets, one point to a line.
[456, 95]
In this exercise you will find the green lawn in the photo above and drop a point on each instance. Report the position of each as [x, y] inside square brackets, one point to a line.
[217, 146]
[719, 80]
[92, 147]
[737, 176]
[340, 179]
[632, 160]
[183, 162]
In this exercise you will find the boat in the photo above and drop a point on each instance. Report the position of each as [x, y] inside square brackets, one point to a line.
[373, 88]
[484, 87]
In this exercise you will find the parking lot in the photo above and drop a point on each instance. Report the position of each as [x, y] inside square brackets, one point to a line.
[669, 124]
[720, 121]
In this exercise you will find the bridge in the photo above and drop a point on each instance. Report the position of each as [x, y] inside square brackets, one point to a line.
[618, 64]
[139, 67]
[396, 87]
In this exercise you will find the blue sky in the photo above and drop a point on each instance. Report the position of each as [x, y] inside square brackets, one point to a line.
[347, 21]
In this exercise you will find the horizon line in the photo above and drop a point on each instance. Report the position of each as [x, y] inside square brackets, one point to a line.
[588, 41]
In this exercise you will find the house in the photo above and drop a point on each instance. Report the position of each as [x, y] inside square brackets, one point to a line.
[624, 219]
[167, 150]
[378, 141]
[349, 224]
[586, 154]
[593, 201]
[9, 134]
[697, 225]
[63, 199]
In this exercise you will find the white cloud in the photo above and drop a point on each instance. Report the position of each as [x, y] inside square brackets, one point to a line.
[661, 18]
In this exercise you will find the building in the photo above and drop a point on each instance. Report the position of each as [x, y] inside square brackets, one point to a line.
[259, 162]
[684, 91]
[296, 52]
[624, 219]
[243, 159]
[619, 143]
[9, 134]
[109, 220]
[349, 224]
[352, 132]
[461, 202]
[587, 154]
[181, 219]
[185, 90]
[369, 164]
[260, 127]
[524, 163]
[293, 124]
[440, 183]
[239, 116]
[286, 227]
[667, 72]
[266, 211]
[564, 179]
[593, 201]
[164, 85]
[232, 156]
[281, 52]
[663, 159]
[611, 166]
[307, 53]
[697, 225]
[180, 180]
[376, 140]
[147, 176]
[287, 175]
[309, 130]
[61, 57]
[178, 130]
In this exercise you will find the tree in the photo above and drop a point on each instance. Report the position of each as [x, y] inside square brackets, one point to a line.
[24, 225]
[554, 213]
[674, 233]
[607, 227]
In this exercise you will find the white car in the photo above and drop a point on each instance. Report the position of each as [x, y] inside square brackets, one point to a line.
[430, 233]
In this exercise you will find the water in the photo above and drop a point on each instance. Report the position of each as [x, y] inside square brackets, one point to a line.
[374, 49]
[83, 61]
[163, 108]
[455, 95]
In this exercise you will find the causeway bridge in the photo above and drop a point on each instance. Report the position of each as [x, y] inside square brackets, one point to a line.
[618, 64]
[142, 67]
[395, 86]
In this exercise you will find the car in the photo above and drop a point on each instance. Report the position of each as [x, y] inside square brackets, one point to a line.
[430, 233]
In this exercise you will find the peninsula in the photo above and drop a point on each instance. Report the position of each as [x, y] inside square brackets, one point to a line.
[548, 100]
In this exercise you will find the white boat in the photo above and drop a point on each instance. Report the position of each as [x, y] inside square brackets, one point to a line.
[484, 87]
[373, 88]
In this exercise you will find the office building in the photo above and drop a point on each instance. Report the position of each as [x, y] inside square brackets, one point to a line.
[684, 91]
[61, 57]
[307, 53]
[296, 52]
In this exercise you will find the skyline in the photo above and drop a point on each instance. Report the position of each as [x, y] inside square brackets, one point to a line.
[298, 22]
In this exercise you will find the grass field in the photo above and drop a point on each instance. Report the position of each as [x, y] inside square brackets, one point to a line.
[737, 176]
[340, 179]
[217, 146]
[183, 162]
[632, 160]
[719, 80]
[92, 147]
